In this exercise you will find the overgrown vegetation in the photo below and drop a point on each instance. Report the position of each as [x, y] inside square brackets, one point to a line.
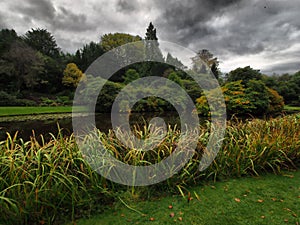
[35, 71]
[51, 182]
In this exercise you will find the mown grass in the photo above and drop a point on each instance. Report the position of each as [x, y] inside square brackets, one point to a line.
[292, 108]
[50, 182]
[268, 199]
[15, 110]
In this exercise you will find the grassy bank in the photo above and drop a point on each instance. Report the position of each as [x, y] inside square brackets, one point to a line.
[15, 111]
[51, 182]
[270, 199]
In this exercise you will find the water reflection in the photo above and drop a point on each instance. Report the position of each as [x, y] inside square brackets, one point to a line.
[103, 122]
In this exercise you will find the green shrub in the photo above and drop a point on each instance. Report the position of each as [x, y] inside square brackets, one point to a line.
[63, 100]
[254, 98]
[46, 101]
[11, 100]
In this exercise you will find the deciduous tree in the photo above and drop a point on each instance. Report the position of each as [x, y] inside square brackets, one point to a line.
[72, 75]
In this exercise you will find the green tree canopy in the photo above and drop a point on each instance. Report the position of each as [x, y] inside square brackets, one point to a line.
[130, 76]
[26, 65]
[244, 74]
[42, 41]
[110, 41]
[88, 54]
[7, 37]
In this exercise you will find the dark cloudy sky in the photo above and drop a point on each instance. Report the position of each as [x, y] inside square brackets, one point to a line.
[264, 34]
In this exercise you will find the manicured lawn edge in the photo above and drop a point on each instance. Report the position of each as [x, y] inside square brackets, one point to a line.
[15, 111]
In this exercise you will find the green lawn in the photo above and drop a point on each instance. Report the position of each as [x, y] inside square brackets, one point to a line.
[292, 108]
[271, 199]
[13, 111]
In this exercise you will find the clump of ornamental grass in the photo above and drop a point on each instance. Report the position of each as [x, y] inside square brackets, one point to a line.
[47, 182]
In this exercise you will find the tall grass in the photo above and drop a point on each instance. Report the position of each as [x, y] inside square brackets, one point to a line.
[47, 182]
[43, 182]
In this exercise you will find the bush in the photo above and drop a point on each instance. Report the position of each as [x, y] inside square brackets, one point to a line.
[46, 101]
[11, 100]
[254, 98]
[63, 100]
[276, 102]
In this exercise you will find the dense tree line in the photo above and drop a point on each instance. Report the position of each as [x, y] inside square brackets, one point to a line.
[34, 70]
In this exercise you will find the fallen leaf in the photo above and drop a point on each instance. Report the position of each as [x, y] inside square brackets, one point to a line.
[180, 218]
[262, 217]
[172, 214]
[180, 213]
[122, 215]
[274, 199]
[286, 220]
[189, 197]
[260, 200]
[294, 215]
[151, 219]
[237, 200]
[170, 207]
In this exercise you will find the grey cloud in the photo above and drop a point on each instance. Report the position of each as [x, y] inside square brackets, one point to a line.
[291, 67]
[2, 22]
[39, 9]
[71, 30]
[67, 20]
[57, 18]
[189, 17]
[254, 26]
[126, 6]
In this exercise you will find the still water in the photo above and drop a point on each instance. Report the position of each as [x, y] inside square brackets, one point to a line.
[25, 129]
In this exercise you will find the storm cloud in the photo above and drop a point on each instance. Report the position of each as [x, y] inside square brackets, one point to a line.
[127, 6]
[261, 33]
[35, 9]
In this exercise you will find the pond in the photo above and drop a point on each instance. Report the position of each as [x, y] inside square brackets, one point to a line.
[45, 124]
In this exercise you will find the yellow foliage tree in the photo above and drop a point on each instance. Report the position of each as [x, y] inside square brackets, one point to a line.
[72, 75]
[110, 41]
[276, 102]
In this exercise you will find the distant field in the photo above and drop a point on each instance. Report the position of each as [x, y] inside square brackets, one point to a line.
[292, 108]
[14, 111]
